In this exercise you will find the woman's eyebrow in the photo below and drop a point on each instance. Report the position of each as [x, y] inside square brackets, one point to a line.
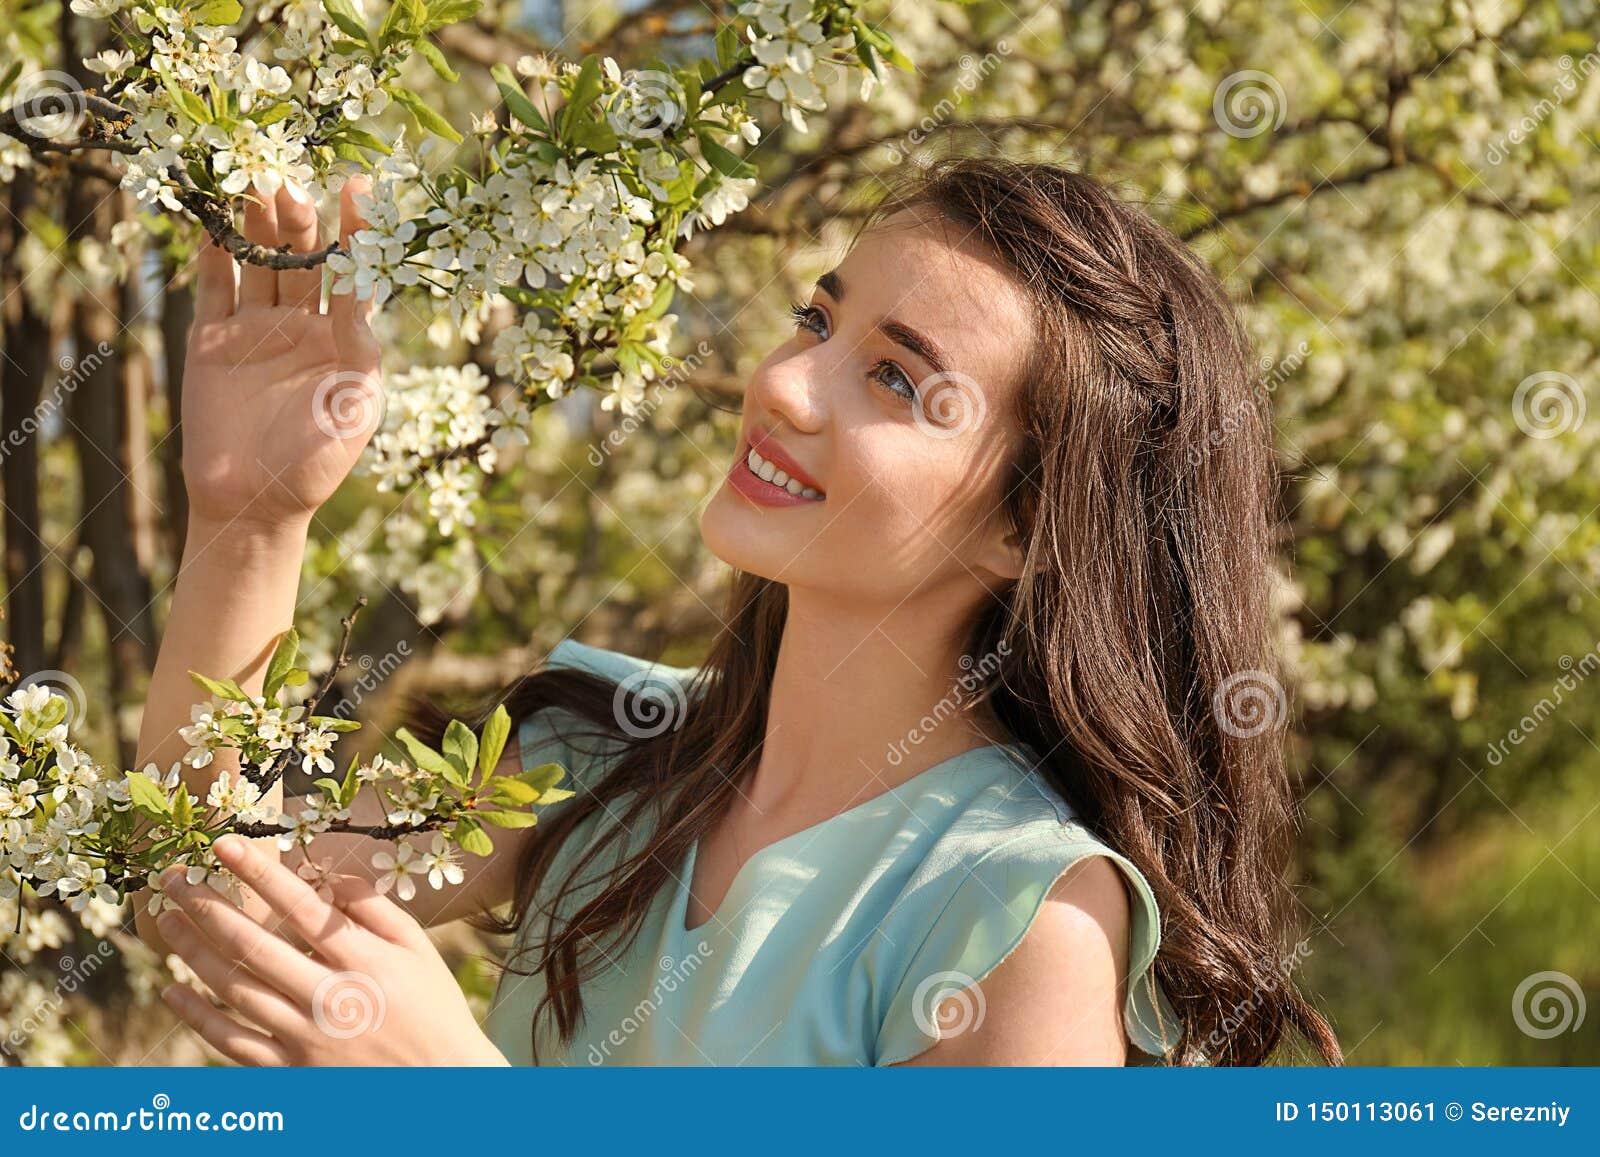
[896, 331]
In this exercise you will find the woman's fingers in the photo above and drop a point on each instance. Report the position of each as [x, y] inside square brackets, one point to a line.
[378, 914]
[238, 988]
[258, 285]
[298, 229]
[214, 283]
[352, 331]
[210, 933]
[295, 902]
[237, 1042]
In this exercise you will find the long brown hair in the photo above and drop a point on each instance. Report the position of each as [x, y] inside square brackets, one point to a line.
[1143, 493]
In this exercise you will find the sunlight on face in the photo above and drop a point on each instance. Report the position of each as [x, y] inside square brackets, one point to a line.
[883, 427]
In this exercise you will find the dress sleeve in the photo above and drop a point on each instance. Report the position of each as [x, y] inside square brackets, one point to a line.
[989, 909]
[554, 736]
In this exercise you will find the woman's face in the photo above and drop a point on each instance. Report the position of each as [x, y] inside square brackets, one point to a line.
[882, 430]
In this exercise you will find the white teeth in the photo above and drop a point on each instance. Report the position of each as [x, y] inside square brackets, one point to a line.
[767, 472]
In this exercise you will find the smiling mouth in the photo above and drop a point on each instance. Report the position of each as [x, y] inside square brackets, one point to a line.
[761, 480]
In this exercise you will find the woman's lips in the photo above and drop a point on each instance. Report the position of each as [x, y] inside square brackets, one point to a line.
[758, 490]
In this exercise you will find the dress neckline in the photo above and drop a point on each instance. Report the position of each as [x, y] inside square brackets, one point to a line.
[679, 917]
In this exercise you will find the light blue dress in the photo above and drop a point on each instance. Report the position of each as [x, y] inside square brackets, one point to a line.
[833, 945]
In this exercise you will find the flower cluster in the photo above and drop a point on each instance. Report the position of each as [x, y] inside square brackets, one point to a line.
[569, 215]
[73, 830]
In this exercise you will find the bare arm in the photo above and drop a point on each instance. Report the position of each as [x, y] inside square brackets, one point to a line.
[263, 449]
[1057, 999]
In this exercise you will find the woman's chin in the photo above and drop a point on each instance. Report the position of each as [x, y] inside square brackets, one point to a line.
[744, 536]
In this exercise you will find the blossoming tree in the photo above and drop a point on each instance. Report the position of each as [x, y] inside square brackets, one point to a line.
[1402, 194]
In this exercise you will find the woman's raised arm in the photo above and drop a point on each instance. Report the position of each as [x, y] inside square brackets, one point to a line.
[279, 399]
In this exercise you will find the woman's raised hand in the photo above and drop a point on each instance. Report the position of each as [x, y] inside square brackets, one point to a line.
[279, 398]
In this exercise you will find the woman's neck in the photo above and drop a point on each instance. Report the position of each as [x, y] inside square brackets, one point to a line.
[863, 702]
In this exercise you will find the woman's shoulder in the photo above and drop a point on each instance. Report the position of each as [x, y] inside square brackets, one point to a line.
[974, 896]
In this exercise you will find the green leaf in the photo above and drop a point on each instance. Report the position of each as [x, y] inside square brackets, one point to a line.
[424, 756]
[182, 808]
[395, 21]
[436, 61]
[188, 103]
[426, 118]
[516, 100]
[219, 12]
[723, 159]
[461, 748]
[335, 724]
[508, 819]
[343, 13]
[222, 688]
[495, 733]
[282, 660]
[595, 135]
[360, 136]
[469, 834]
[727, 45]
[585, 91]
[272, 114]
[451, 11]
[351, 785]
[147, 796]
[543, 778]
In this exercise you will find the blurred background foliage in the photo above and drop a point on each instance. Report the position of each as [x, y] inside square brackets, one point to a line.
[1402, 196]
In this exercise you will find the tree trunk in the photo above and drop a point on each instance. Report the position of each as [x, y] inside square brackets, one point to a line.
[22, 374]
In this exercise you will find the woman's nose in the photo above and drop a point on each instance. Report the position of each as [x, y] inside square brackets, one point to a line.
[791, 388]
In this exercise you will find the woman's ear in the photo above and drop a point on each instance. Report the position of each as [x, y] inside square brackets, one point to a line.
[1003, 554]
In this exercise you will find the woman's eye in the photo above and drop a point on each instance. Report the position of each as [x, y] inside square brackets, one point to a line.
[809, 317]
[892, 378]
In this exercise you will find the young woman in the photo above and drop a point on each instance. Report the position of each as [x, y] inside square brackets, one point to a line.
[952, 772]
